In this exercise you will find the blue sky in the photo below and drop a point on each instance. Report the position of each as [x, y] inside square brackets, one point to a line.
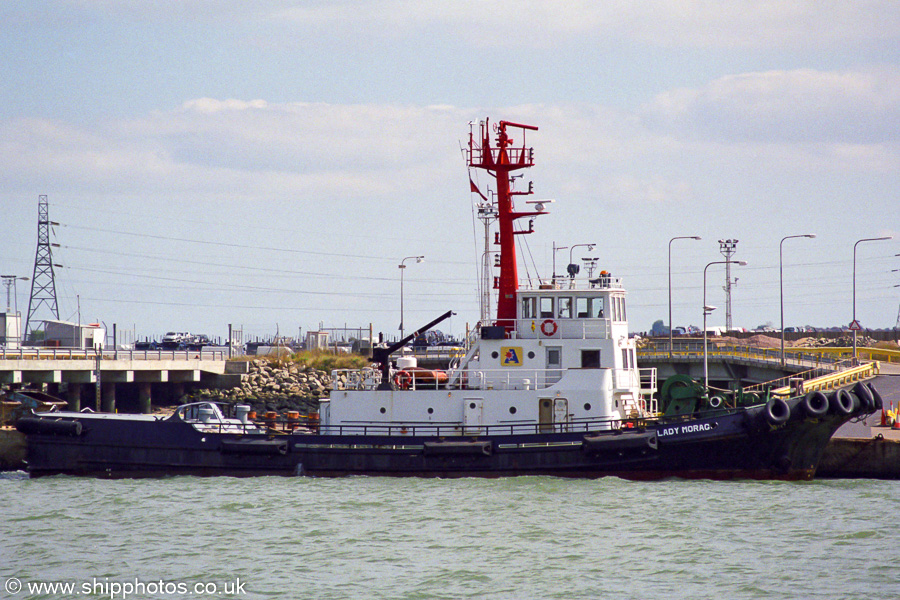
[269, 163]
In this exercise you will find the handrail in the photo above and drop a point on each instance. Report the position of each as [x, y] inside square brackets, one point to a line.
[695, 349]
[87, 354]
[416, 429]
[835, 380]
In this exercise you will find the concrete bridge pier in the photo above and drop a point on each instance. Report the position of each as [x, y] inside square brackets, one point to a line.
[73, 395]
[144, 396]
[108, 397]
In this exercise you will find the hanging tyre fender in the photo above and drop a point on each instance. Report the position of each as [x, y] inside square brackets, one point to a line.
[866, 400]
[876, 397]
[815, 405]
[776, 412]
[842, 403]
[48, 426]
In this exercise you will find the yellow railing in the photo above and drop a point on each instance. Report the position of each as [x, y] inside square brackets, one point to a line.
[835, 380]
[879, 354]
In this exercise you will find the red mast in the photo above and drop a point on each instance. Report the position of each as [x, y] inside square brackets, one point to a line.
[500, 161]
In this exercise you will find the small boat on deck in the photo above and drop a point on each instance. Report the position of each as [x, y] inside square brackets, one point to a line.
[548, 385]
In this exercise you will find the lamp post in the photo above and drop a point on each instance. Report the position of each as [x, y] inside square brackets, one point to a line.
[707, 309]
[681, 237]
[781, 282]
[402, 267]
[555, 250]
[572, 270]
[854, 324]
[11, 294]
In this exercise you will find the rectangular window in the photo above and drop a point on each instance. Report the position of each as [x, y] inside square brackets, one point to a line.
[626, 358]
[597, 308]
[546, 308]
[529, 308]
[618, 308]
[582, 309]
[565, 308]
[590, 359]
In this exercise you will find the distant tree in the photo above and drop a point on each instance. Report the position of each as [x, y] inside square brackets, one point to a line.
[659, 328]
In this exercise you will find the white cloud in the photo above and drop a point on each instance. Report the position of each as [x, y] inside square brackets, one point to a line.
[849, 107]
[510, 23]
[259, 149]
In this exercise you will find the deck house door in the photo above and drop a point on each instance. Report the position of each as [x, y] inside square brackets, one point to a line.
[473, 416]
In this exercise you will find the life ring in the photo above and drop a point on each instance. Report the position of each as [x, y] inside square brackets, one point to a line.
[548, 327]
[402, 380]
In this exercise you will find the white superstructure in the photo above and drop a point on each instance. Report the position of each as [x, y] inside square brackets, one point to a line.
[567, 358]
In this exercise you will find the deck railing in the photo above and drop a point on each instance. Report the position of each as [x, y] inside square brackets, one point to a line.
[88, 354]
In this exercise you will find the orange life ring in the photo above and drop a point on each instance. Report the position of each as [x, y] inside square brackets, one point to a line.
[402, 380]
[548, 327]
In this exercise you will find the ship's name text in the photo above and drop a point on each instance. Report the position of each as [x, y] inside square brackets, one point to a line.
[692, 428]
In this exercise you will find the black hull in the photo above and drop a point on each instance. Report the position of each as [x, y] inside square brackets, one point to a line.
[741, 443]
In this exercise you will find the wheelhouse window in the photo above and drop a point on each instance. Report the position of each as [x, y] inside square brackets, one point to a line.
[565, 308]
[618, 308]
[589, 308]
[529, 307]
[546, 307]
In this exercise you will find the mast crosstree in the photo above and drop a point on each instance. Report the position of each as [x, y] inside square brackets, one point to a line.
[500, 159]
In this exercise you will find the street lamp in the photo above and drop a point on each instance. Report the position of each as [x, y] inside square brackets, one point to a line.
[707, 309]
[681, 237]
[854, 324]
[402, 267]
[781, 282]
[10, 282]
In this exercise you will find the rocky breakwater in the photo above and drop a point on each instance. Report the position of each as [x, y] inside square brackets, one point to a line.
[273, 386]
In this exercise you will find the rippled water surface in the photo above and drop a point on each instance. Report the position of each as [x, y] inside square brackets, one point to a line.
[528, 537]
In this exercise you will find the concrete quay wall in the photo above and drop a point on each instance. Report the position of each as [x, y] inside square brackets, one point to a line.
[140, 375]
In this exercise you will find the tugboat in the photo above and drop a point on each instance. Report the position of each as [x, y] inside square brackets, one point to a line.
[549, 385]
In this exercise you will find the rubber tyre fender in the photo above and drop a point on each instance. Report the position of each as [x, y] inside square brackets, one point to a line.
[876, 397]
[777, 411]
[815, 405]
[866, 401]
[842, 403]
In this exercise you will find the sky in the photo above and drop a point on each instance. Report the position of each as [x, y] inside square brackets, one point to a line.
[269, 164]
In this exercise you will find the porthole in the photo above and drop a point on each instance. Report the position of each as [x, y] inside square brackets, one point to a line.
[531, 355]
[495, 354]
[587, 406]
[512, 410]
[383, 410]
[430, 411]
[472, 405]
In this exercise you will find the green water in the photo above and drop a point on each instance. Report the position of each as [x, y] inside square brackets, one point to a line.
[529, 537]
